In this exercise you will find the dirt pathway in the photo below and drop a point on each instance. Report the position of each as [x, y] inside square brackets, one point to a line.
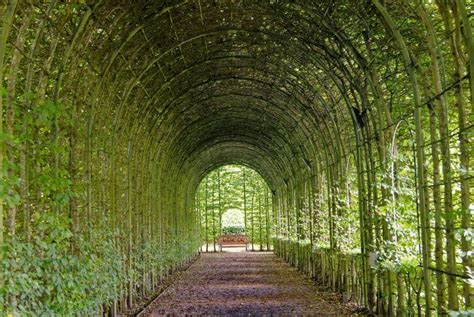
[244, 284]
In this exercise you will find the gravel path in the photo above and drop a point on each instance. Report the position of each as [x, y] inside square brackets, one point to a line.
[244, 284]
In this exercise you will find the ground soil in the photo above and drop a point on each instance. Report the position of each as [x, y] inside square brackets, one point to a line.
[245, 284]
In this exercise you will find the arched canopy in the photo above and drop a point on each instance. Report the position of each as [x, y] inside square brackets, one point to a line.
[113, 111]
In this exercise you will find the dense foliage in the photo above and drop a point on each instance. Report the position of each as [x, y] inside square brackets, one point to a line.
[46, 279]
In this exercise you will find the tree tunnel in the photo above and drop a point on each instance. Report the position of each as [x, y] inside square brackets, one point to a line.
[358, 115]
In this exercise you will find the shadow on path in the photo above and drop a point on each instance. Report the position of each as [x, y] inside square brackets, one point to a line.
[244, 284]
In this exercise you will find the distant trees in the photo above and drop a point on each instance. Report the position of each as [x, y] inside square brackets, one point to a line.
[242, 192]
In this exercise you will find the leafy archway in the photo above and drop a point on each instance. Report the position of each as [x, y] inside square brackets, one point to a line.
[241, 194]
[112, 112]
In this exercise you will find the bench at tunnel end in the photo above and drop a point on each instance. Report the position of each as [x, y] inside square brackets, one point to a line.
[233, 240]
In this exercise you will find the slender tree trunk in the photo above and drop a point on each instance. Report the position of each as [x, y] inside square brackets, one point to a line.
[440, 106]
[409, 64]
[461, 21]
[245, 205]
[213, 215]
[219, 202]
[7, 12]
[206, 214]
[129, 226]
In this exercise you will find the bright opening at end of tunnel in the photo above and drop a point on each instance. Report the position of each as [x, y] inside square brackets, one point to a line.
[234, 204]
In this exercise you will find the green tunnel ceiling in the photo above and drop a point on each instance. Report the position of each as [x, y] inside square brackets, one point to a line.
[127, 105]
